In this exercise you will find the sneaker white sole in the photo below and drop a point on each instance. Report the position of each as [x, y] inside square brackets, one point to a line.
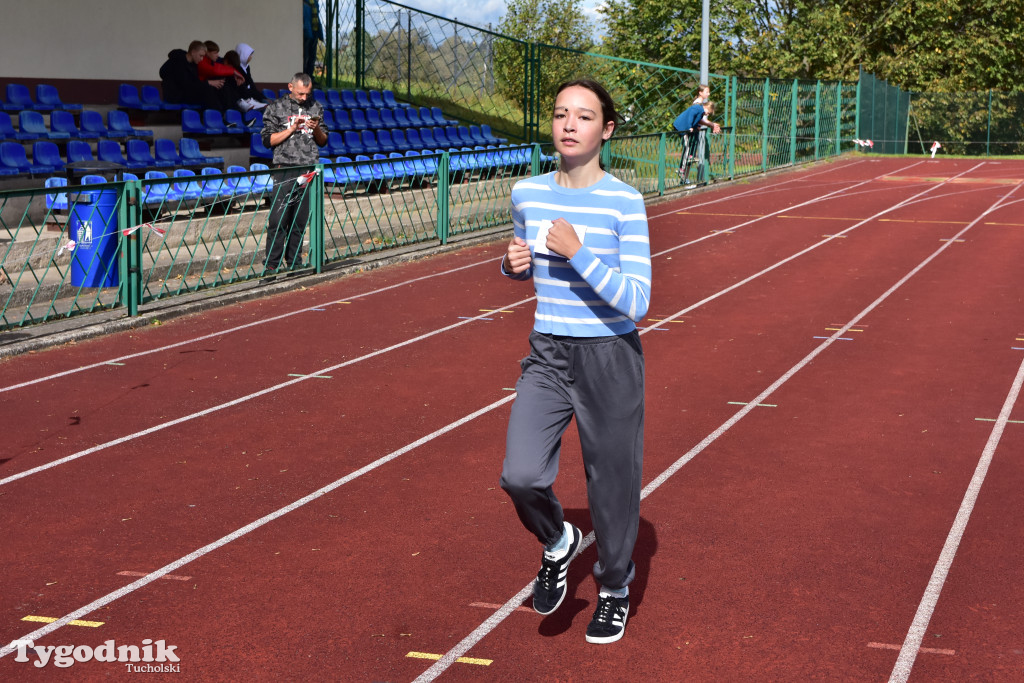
[601, 640]
[577, 541]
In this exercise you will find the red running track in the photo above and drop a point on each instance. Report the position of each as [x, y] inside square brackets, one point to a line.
[834, 363]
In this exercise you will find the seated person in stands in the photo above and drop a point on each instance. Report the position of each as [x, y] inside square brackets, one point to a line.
[221, 77]
[240, 58]
[179, 76]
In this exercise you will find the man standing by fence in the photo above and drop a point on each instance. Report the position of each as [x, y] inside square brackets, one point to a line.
[293, 128]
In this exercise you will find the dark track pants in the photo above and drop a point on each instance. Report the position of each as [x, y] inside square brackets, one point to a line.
[286, 224]
[601, 381]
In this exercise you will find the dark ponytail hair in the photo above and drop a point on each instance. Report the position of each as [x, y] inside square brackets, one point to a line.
[608, 112]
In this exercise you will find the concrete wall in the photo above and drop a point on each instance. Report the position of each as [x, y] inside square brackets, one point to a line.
[128, 40]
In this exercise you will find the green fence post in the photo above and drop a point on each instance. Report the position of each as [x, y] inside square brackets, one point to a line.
[661, 163]
[443, 197]
[130, 247]
[792, 121]
[732, 129]
[817, 120]
[988, 133]
[856, 112]
[535, 158]
[839, 117]
[764, 126]
[317, 250]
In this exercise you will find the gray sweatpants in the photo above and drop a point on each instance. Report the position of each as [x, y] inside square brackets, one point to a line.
[600, 380]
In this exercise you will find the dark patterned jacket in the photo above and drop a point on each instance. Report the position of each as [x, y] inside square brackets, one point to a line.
[300, 149]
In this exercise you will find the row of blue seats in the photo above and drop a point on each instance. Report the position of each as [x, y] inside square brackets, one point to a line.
[353, 99]
[46, 156]
[19, 98]
[31, 126]
[375, 119]
[213, 122]
[341, 171]
[369, 142]
[148, 98]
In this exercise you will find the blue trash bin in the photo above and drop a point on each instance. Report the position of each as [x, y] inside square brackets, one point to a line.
[92, 224]
[93, 227]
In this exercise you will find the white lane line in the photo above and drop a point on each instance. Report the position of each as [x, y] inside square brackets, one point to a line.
[242, 399]
[238, 328]
[925, 609]
[252, 526]
[495, 619]
[492, 622]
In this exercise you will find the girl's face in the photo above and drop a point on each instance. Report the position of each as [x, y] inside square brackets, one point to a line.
[577, 127]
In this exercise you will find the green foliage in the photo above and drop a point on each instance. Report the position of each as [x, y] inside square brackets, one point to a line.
[561, 24]
[917, 44]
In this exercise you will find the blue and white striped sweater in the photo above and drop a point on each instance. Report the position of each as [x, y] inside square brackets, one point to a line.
[606, 287]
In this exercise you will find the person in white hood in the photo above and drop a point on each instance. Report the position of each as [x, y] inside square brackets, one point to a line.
[241, 58]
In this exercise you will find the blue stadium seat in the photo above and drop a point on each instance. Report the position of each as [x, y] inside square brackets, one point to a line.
[7, 131]
[31, 123]
[120, 126]
[373, 121]
[376, 99]
[401, 118]
[159, 194]
[57, 201]
[269, 95]
[330, 177]
[139, 155]
[491, 137]
[370, 142]
[110, 150]
[320, 96]
[465, 137]
[258, 149]
[188, 150]
[241, 185]
[188, 189]
[128, 97]
[79, 150]
[348, 99]
[431, 158]
[387, 117]
[263, 182]
[63, 122]
[19, 98]
[165, 153]
[214, 188]
[399, 140]
[414, 139]
[214, 122]
[255, 119]
[335, 143]
[12, 158]
[430, 140]
[234, 123]
[328, 119]
[48, 95]
[414, 166]
[192, 122]
[45, 153]
[389, 99]
[358, 117]
[415, 121]
[397, 164]
[385, 142]
[353, 143]
[342, 121]
[364, 168]
[362, 100]
[91, 125]
[440, 118]
[477, 136]
[150, 96]
[347, 173]
[334, 99]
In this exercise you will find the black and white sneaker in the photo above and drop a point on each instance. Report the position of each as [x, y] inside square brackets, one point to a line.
[549, 588]
[609, 622]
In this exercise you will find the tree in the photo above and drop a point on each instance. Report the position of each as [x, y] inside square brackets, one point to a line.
[562, 24]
